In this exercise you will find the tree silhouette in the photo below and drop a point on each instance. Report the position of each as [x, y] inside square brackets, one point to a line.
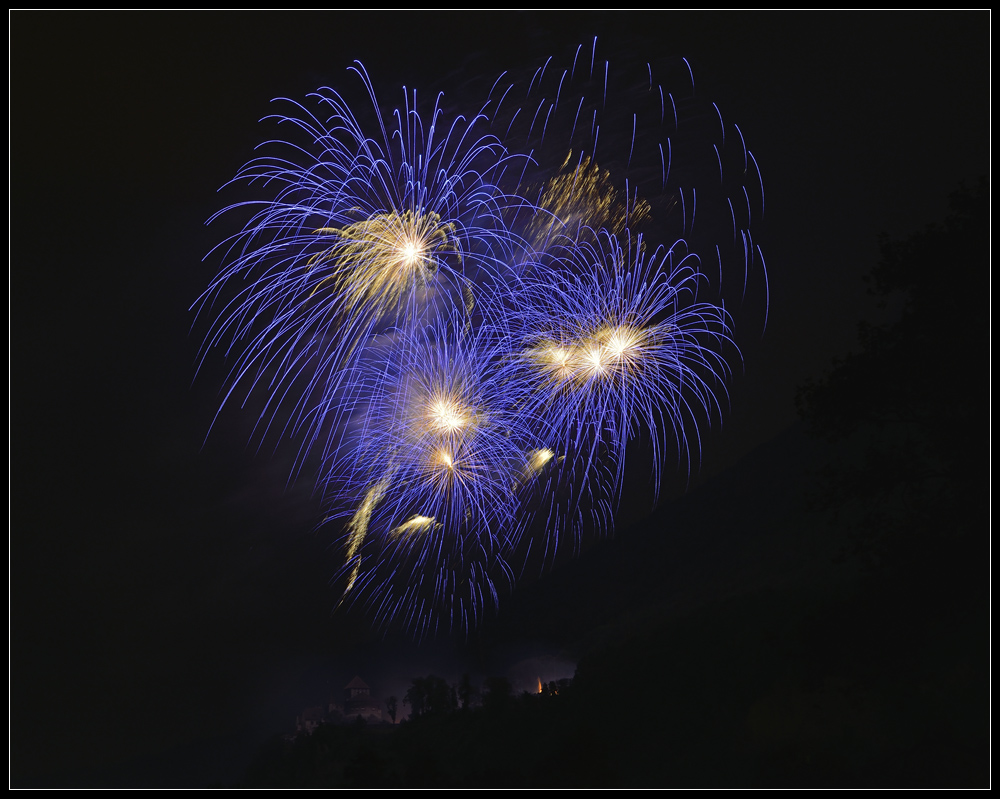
[416, 697]
[497, 693]
[466, 691]
[392, 705]
[906, 484]
[430, 696]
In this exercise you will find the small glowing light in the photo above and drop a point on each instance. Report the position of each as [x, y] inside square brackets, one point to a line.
[447, 416]
[623, 342]
[446, 459]
[595, 359]
[617, 345]
[558, 360]
[411, 252]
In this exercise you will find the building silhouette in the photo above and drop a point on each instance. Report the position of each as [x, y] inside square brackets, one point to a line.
[357, 702]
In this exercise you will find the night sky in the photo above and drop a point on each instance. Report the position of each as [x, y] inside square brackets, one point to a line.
[170, 600]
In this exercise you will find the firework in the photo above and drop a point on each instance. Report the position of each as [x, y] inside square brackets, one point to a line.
[464, 322]
[438, 464]
[358, 229]
[613, 343]
[636, 148]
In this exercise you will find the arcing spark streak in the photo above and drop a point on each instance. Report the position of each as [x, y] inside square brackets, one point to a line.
[463, 327]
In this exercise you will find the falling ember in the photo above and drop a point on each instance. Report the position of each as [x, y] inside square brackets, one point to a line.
[358, 528]
[414, 524]
[539, 458]
[540, 685]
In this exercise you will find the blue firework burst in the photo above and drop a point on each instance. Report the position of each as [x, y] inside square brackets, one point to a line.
[463, 322]
[358, 229]
[613, 343]
[436, 466]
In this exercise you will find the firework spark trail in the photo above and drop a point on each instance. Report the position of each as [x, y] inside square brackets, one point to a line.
[465, 321]
[641, 150]
[356, 233]
[614, 337]
[613, 343]
[439, 464]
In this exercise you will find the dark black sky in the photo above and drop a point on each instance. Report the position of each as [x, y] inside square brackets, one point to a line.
[165, 595]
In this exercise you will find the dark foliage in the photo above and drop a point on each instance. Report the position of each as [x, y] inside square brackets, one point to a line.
[909, 411]
[907, 480]
[510, 741]
[430, 696]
